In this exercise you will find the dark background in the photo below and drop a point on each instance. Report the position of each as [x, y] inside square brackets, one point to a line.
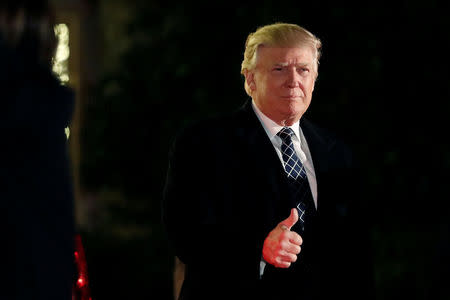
[383, 86]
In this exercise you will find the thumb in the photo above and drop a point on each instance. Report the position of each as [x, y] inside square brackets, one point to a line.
[291, 220]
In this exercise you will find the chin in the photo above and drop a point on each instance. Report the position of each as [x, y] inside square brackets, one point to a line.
[292, 115]
[297, 108]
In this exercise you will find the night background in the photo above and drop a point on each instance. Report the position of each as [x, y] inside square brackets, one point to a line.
[147, 68]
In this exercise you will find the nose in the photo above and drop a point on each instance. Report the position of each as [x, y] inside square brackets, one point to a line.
[293, 78]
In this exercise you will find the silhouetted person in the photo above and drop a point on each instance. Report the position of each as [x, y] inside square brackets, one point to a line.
[36, 185]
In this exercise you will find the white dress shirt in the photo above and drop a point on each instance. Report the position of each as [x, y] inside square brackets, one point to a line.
[300, 146]
[301, 149]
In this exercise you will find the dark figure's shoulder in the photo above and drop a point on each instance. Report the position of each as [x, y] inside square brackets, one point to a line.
[55, 100]
[37, 100]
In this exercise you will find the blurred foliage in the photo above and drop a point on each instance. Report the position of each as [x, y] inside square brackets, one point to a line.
[382, 86]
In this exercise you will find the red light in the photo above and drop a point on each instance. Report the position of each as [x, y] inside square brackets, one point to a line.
[81, 282]
[81, 285]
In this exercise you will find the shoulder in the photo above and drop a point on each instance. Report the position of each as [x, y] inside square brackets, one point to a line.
[214, 128]
[328, 141]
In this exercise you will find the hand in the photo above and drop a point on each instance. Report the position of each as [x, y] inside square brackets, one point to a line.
[282, 245]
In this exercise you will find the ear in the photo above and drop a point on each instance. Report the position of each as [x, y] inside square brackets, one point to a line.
[250, 79]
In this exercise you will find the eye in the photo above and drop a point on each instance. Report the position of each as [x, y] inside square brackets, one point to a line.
[302, 70]
[278, 69]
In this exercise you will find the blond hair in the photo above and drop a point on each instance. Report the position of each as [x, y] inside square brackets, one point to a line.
[278, 35]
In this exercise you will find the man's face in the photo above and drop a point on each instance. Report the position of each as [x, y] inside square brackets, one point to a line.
[282, 82]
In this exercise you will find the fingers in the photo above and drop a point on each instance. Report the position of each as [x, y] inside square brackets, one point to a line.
[284, 260]
[282, 245]
[294, 238]
[291, 248]
[291, 220]
[279, 259]
[286, 244]
[287, 256]
[282, 264]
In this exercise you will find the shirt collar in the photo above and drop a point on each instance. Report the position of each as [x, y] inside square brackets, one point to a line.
[271, 127]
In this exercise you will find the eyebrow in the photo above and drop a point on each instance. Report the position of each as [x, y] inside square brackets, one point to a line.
[285, 64]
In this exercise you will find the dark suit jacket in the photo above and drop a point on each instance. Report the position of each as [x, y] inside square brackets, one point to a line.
[226, 190]
[36, 197]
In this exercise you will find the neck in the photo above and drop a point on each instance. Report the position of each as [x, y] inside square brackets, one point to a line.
[280, 119]
[287, 122]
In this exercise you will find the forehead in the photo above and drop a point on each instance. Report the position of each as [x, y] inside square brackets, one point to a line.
[285, 55]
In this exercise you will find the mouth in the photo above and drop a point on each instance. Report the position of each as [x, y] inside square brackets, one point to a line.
[293, 97]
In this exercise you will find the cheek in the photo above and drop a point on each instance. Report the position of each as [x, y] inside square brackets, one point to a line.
[273, 88]
[308, 88]
[311, 85]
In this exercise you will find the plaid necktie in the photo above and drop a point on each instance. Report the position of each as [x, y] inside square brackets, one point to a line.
[296, 174]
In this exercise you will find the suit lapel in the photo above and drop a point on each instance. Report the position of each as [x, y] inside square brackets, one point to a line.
[264, 161]
[252, 133]
[319, 148]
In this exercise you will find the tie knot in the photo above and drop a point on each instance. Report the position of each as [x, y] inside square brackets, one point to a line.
[285, 133]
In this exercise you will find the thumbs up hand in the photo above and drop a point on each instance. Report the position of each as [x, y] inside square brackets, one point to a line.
[282, 245]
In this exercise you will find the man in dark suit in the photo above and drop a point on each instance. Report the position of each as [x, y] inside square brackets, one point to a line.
[261, 203]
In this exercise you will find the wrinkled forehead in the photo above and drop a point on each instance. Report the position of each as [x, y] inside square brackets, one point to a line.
[286, 55]
[306, 47]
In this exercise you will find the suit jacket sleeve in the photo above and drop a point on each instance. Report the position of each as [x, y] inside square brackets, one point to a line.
[194, 213]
